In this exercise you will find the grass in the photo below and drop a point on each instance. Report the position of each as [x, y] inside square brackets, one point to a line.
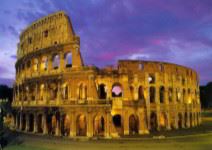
[199, 138]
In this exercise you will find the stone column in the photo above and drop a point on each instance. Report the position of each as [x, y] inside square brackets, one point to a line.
[49, 68]
[147, 107]
[35, 123]
[18, 93]
[107, 124]
[89, 125]
[62, 62]
[58, 131]
[73, 124]
[168, 126]
[45, 90]
[36, 93]
[126, 123]
[157, 102]
[45, 128]
[58, 99]
[136, 93]
[109, 93]
[166, 97]
[142, 123]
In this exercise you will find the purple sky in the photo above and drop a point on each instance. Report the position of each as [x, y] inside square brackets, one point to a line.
[177, 31]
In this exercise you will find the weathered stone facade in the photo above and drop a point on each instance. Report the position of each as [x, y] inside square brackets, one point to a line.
[55, 93]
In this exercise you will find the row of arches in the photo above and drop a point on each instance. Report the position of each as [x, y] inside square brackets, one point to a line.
[117, 91]
[56, 124]
[45, 62]
[180, 95]
[52, 89]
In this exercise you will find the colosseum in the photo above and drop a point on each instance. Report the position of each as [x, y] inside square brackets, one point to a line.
[55, 93]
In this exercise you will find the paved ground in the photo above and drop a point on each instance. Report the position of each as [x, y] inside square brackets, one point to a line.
[199, 138]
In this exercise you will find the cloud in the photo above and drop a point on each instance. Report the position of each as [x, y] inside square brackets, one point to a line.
[14, 57]
[176, 31]
[13, 31]
[139, 56]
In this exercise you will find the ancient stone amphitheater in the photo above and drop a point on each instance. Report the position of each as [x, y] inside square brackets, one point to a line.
[56, 93]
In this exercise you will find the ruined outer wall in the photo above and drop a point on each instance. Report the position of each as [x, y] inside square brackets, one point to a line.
[157, 94]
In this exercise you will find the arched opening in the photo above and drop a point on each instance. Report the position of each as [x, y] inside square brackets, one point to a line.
[35, 64]
[132, 92]
[65, 125]
[170, 94]
[180, 120]
[55, 61]
[161, 67]
[140, 93]
[162, 93]
[31, 123]
[102, 91]
[40, 123]
[41, 91]
[68, 60]
[189, 100]
[117, 90]
[178, 95]
[65, 91]
[141, 66]
[14, 120]
[133, 124]
[184, 93]
[163, 120]
[18, 121]
[80, 94]
[152, 94]
[117, 121]
[54, 124]
[81, 125]
[85, 92]
[51, 124]
[23, 122]
[153, 121]
[28, 65]
[53, 89]
[99, 126]
[151, 78]
[44, 63]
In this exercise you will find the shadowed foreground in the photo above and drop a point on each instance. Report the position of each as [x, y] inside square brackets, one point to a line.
[198, 139]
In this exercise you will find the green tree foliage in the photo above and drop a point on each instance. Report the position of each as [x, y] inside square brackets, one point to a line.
[206, 95]
[6, 95]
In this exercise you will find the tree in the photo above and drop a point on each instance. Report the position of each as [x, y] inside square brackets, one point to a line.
[206, 95]
[6, 95]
